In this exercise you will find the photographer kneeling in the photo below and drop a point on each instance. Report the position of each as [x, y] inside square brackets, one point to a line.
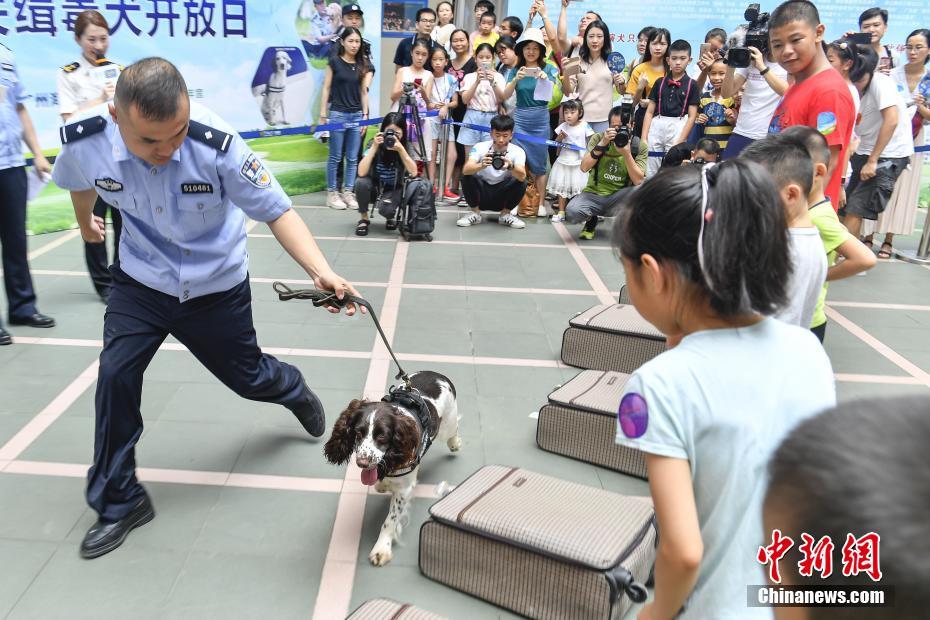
[381, 172]
[615, 163]
[494, 176]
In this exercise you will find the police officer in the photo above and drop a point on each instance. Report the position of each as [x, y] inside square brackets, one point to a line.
[352, 16]
[185, 183]
[86, 82]
[15, 128]
[319, 43]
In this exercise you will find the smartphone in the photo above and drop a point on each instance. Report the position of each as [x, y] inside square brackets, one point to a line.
[861, 38]
[532, 71]
[705, 49]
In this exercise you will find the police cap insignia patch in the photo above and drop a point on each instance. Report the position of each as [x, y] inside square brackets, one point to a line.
[253, 171]
[109, 185]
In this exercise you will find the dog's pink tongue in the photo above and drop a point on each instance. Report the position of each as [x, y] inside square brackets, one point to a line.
[370, 476]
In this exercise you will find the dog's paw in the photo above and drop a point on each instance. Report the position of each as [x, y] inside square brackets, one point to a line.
[454, 443]
[380, 556]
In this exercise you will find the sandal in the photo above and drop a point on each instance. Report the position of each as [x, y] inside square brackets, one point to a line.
[361, 229]
[883, 253]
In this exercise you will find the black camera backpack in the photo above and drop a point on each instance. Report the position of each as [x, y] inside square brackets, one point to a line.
[417, 218]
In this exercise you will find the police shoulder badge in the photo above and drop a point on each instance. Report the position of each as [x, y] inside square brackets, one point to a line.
[253, 171]
[108, 184]
[633, 416]
[71, 68]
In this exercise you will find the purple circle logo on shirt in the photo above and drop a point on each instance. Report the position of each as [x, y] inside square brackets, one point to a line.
[633, 415]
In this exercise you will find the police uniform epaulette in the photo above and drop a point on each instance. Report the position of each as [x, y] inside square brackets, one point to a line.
[82, 129]
[72, 67]
[220, 140]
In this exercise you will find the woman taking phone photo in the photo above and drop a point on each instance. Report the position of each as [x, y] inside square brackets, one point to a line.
[85, 83]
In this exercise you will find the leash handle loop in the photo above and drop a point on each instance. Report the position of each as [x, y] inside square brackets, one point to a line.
[328, 299]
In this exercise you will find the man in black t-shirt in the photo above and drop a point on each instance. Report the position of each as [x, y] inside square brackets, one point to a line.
[426, 21]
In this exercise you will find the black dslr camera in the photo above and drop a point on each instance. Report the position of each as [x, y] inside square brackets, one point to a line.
[390, 138]
[624, 132]
[756, 35]
[497, 160]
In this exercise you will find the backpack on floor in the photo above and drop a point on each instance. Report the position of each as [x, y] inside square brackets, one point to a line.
[417, 218]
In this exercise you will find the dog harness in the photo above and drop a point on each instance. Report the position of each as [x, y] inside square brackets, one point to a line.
[410, 399]
[405, 396]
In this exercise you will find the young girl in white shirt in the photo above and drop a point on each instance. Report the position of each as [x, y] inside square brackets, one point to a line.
[705, 251]
[566, 180]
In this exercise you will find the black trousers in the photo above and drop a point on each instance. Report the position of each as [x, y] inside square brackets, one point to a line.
[482, 195]
[367, 191]
[20, 295]
[216, 328]
[95, 254]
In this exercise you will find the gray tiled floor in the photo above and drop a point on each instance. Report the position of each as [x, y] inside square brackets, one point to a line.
[236, 552]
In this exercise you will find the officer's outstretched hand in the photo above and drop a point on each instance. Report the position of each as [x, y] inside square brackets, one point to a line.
[93, 231]
[329, 281]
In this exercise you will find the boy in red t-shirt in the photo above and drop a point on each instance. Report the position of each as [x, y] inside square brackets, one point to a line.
[819, 97]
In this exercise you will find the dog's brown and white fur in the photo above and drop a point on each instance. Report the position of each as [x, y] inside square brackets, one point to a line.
[385, 438]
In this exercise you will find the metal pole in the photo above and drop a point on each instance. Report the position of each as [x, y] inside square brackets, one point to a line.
[443, 159]
[922, 255]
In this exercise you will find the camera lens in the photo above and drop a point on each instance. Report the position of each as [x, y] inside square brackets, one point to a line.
[622, 138]
[497, 161]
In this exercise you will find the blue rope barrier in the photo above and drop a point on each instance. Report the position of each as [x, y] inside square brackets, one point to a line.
[311, 129]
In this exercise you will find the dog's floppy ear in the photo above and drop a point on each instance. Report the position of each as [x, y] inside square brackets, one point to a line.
[289, 63]
[404, 444]
[338, 450]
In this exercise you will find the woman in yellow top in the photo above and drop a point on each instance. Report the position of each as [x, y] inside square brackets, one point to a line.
[647, 73]
[91, 81]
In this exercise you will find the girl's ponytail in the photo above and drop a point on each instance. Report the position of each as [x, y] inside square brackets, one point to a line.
[723, 228]
[745, 240]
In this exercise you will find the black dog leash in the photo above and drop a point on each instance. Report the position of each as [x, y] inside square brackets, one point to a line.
[329, 299]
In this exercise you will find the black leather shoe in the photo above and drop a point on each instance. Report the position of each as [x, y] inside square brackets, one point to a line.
[310, 413]
[36, 320]
[5, 337]
[105, 536]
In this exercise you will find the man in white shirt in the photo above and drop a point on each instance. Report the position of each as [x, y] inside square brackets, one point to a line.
[494, 176]
[885, 149]
[766, 81]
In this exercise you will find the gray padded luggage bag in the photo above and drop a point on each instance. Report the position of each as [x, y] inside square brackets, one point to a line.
[386, 609]
[611, 337]
[580, 421]
[540, 546]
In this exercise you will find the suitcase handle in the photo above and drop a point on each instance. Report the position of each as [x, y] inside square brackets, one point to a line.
[622, 582]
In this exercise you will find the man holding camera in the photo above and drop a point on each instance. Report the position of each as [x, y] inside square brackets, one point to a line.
[494, 176]
[615, 163]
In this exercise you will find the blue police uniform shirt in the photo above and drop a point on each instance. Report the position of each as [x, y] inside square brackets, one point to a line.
[12, 94]
[184, 222]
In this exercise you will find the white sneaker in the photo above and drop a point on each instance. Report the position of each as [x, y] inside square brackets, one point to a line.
[334, 201]
[512, 221]
[348, 197]
[469, 220]
[557, 217]
[541, 211]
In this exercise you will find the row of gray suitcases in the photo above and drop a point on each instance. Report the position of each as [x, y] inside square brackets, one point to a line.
[537, 545]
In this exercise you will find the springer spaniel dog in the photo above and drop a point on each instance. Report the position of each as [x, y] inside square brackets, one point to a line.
[386, 439]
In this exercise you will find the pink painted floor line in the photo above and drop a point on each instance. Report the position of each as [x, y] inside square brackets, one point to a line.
[885, 379]
[894, 357]
[338, 576]
[207, 478]
[502, 244]
[478, 360]
[431, 287]
[865, 304]
[48, 247]
[590, 274]
[35, 427]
